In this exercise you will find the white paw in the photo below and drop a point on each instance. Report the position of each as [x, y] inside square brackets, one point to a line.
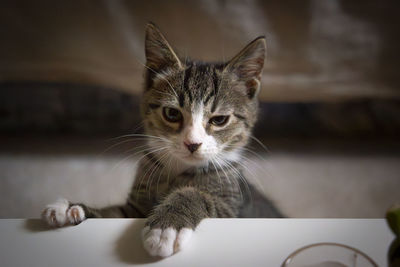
[55, 214]
[59, 214]
[165, 242]
[75, 214]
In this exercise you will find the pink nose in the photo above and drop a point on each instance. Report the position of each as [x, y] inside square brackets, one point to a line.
[192, 147]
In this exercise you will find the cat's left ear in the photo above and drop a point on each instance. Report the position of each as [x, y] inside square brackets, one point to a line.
[159, 54]
[247, 66]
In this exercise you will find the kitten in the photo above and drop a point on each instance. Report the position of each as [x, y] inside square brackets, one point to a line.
[198, 118]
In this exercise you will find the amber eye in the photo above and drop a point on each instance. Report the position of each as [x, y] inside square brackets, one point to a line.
[172, 114]
[219, 120]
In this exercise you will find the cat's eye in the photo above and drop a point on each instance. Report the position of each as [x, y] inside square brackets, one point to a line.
[219, 120]
[172, 114]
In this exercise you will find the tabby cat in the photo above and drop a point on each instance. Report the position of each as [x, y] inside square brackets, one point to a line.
[198, 118]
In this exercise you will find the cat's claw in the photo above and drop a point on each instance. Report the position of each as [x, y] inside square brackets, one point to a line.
[59, 214]
[165, 242]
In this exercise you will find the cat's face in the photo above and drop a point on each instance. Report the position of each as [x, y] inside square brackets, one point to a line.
[200, 113]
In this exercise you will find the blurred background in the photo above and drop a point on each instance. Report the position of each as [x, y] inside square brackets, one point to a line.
[71, 79]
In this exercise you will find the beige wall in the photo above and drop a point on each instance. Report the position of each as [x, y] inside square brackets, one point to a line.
[317, 50]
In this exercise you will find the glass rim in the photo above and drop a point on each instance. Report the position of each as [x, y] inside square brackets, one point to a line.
[299, 250]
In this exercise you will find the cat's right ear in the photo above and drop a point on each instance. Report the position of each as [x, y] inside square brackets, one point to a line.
[159, 54]
[248, 66]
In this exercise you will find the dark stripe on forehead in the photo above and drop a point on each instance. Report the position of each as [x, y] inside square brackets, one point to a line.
[203, 76]
[211, 94]
[215, 90]
[214, 105]
[202, 69]
[188, 71]
[190, 94]
[215, 81]
[186, 89]
[181, 99]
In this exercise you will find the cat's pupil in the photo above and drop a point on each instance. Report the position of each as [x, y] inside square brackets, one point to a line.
[172, 114]
[219, 120]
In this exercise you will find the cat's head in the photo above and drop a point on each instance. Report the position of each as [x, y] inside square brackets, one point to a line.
[198, 112]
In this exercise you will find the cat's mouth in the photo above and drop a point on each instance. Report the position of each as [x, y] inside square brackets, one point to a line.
[198, 158]
[194, 159]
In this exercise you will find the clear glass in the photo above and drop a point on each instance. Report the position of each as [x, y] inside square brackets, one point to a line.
[328, 255]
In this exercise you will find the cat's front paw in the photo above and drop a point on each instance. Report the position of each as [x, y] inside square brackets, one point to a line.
[165, 242]
[60, 213]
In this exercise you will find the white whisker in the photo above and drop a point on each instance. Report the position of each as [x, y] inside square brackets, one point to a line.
[150, 180]
[227, 177]
[260, 143]
[219, 177]
[162, 77]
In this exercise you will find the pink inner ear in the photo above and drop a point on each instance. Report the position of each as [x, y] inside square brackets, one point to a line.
[251, 68]
[247, 88]
[252, 87]
[248, 64]
[251, 83]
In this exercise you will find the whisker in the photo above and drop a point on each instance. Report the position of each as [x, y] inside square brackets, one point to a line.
[161, 76]
[260, 143]
[142, 135]
[117, 144]
[247, 150]
[166, 166]
[142, 147]
[219, 177]
[143, 176]
[130, 156]
[226, 175]
[169, 169]
[164, 93]
[154, 169]
[257, 165]
[253, 176]
[240, 176]
[260, 168]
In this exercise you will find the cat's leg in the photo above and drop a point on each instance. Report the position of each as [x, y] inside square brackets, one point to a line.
[62, 213]
[172, 223]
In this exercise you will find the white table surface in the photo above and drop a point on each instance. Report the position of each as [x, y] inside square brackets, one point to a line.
[216, 242]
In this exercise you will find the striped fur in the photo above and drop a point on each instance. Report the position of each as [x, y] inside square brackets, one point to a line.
[174, 188]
